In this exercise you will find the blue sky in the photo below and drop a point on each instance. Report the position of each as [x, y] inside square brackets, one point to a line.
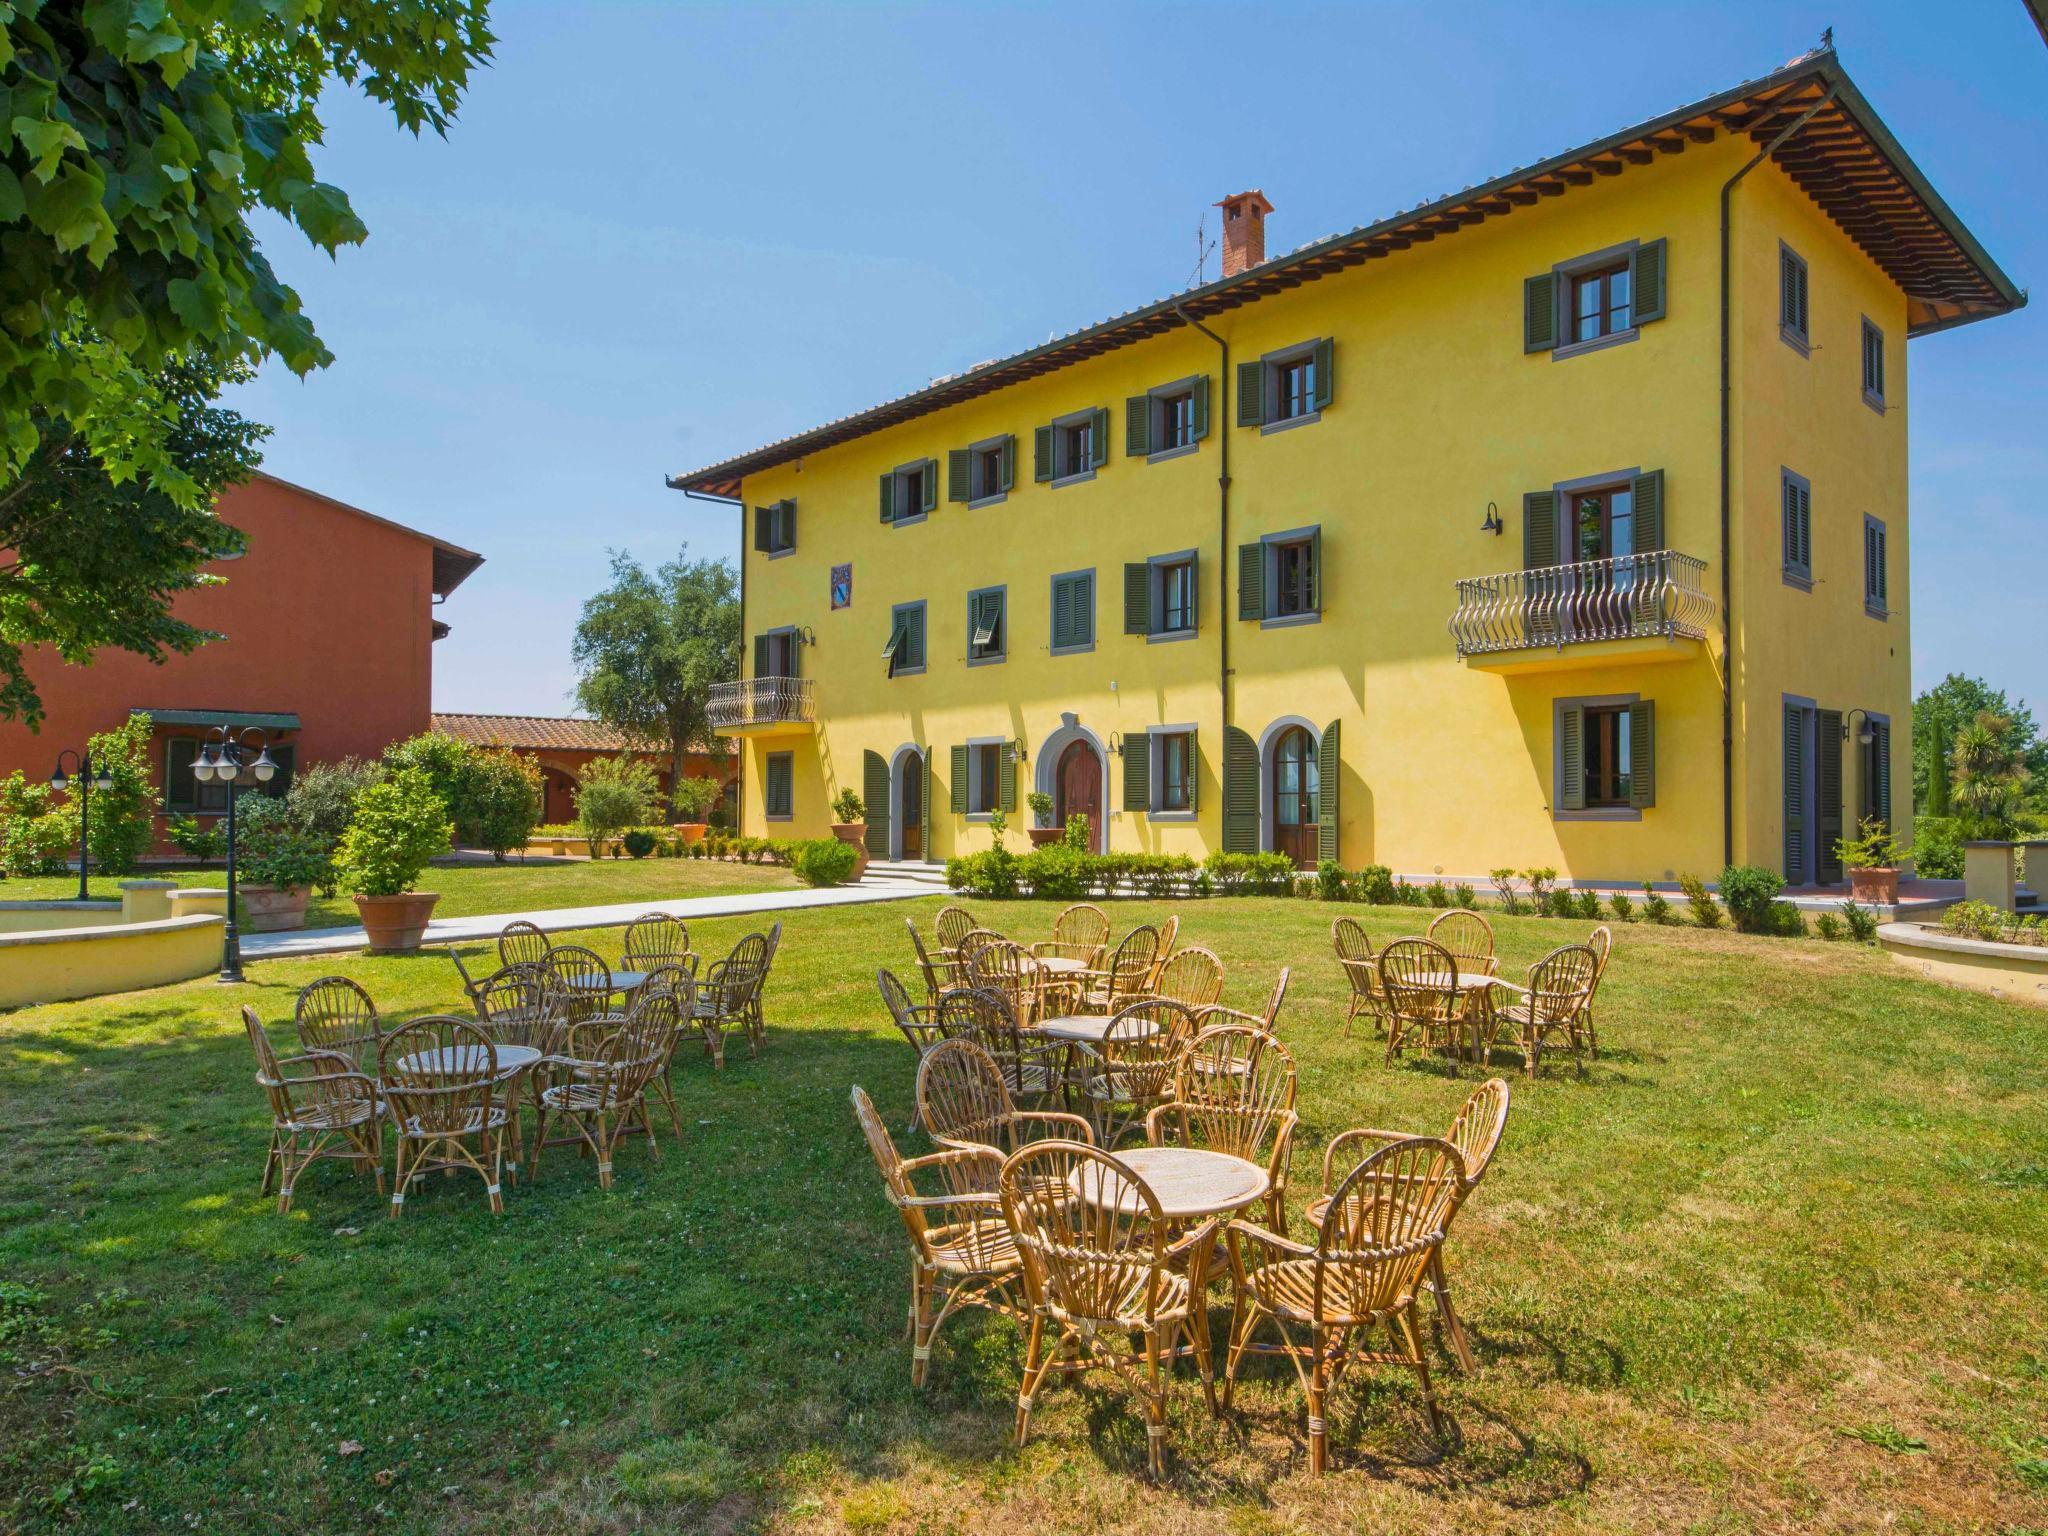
[662, 233]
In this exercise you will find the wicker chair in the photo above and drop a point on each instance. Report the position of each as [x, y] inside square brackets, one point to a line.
[1030, 1065]
[586, 979]
[670, 993]
[1006, 968]
[961, 1250]
[725, 997]
[1266, 1023]
[1193, 977]
[757, 1023]
[1559, 991]
[320, 1107]
[1361, 968]
[655, 939]
[940, 975]
[1127, 976]
[1383, 1225]
[601, 1090]
[1100, 1266]
[918, 1021]
[1131, 1072]
[1469, 938]
[444, 1120]
[962, 1101]
[335, 1015]
[952, 925]
[1169, 935]
[522, 943]
[1079, 933]
[1418, 978]
[523, 1005]
[471, 985]
[1602, 944]
[1476, 1133]
[1233, 1091]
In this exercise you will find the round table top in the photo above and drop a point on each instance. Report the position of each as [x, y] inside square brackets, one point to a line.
[622, 981]
[1466, 981]
[462, 1059]
[1061, 965]
[1191, 1182]
[1087, 1029]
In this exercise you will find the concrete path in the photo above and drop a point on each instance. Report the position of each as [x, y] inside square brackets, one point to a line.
[462, 930]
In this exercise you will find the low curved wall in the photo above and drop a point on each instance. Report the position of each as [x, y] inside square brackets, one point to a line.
[40, 916]
[58, 964]
[2017, 971]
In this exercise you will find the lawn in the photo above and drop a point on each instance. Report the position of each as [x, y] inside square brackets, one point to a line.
[471, 889]
[1775, 1263]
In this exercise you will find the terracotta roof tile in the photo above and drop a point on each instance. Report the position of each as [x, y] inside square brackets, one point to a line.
[563, 732]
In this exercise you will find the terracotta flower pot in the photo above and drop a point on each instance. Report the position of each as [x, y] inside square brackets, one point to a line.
[1875, 887]
[692, 831]
[396, 924]
[272, 908]
[1045, 837]
[856, 833]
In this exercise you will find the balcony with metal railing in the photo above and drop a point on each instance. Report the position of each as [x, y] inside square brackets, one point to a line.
[763, 706]
[1648, 607]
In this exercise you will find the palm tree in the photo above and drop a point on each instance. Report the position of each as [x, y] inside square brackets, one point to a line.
[1988, 779]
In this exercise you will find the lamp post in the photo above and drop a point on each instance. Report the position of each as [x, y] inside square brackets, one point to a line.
[235, 758]
[88, 778]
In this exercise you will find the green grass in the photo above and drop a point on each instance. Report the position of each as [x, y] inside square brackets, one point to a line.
[469, 890]
[1775, 1263]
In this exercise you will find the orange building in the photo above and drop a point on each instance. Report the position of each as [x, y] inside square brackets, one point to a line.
[561, 745]
[328, 624]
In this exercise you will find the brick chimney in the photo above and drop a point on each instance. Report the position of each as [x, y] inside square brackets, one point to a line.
[1244, 231]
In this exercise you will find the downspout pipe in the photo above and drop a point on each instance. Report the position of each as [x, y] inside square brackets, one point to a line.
[1222, 512]
[739, 778]
[1727, 489]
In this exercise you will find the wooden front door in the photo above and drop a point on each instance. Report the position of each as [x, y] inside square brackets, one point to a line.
[1078, 790]
[1295, 798]
[910, 795]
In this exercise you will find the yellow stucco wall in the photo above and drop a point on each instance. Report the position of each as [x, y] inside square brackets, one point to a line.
[1437, 412]
[55, 966]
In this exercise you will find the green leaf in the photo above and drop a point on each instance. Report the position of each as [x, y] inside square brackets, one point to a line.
[322, 211]
[12, 204]
[46, 139]
[69, 211]
[198, 304]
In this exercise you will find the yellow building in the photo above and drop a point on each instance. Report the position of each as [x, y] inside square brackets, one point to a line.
[1561, 521]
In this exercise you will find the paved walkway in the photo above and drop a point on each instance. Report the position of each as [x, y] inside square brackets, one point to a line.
[462, 930]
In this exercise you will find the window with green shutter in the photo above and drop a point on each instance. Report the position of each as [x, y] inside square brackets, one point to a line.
[1288, 387]
[1606, 761]
[776, 652]
[775, 528]
[985, 775]
[1792, 300]
[1159, 596]
[981, 473]
[778, 788]
[1168, 420]
[987, 626]
[1282, 583]
[1173, 770]
[1873, 365]
[1595, 300]
[1795, 503]
[1073, 612]
[1876, 575]
[910, 492]
[1073, 447]
[904, 652]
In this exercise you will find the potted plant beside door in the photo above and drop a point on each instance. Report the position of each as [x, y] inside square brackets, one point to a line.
[1043, 832]
[1872, 860]
[398, 826]
[849, 825]
[690, 802]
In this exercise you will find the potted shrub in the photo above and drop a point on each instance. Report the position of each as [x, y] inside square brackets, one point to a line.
[279, 864]
[690, 802]
[1872, 859]
[1043, 832]
[398, 826]
[849, 825]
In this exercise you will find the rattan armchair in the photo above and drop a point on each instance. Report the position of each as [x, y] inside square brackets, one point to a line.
[522, 943]
[1602, 944]
[1266, 1021]
[726, 996]
[523, 1005]
[447, 1102]
[670, 994]
[963, 1101]
[1101, 1269]
[655, 939]
[1233, 1091]
[1007, 969]
[586, 979]
[757, 1023]
[601, 1087]
[1476, 1133]
[320, 1107]
[1030, 1065]
[1193, 977]
[952, 925]
[1558, 992]
[1469, 938]
[1127, 976]
[961, 1250]
[1321, 1301]
[918, 1021]
[1080, 933]
[1419, 979]
[940, 975]
[471, 985]
[336, 1015]
[1362, 970]
[1169, 935]
[1131, 1072]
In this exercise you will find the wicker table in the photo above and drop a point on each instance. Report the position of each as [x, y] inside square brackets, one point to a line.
[1190, 1183]
[455, 1060]
[1086, 1029]
[1475, 989]
[1059, 965]
[622, 981]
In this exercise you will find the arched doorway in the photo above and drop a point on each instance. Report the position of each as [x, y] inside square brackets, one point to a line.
[1296, 806]
[1077, 789]
[909, 798]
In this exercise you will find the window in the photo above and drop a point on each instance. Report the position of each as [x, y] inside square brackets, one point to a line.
[1176, 600]
[778, 786]
[1876, 577]
[775, 654]
[1796, 498]
[904, 652]
[1595, 300]
[1294, 577]
[1073, 612]
[1280, 579]
[1287, 387]
[1176, 792]
[1600, 302]
[1176, 421]
[984, 777]
[981, 472]
[1603, 523]
[775, 528]
[987, 626]
[184, 793]
[910, 491]
[1873, 366]
[1792, 316]
[1167, 421]
[1874, 798]
[1072, 448]
[1605, 757]
[1159, 596]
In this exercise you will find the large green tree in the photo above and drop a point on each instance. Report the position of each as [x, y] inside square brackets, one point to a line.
[1944, 712]
[649, 647]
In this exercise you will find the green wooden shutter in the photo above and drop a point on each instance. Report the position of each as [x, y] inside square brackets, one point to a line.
[893, 652]
[1137, 426]
[930, 481]
[1195, 590]
[1324, 354]
[1827, 763]
[1098, 437]
[793, 655]
[1795, 795]
[761, 518]
[959, 475]
[959, 781]
[1009, 461]
[1240, 791]
[914, 637]
[1138, 773]
[1315, 570]
[787, 530]
[1571, 759]
[889, 498]
[1649, 504]
[1329, 768]
[1062, 612]
[1647, 283]
[1137, 598]
[1194, 772]
[1041, 453]
[874, 786]
[1642, 754]
[1201, 408]
[760, 655]
[1251, 581]
[1251, 394]
[1881, 764]
[1539, 529]
[924, 808]
[1539, 312]
[1007, 757]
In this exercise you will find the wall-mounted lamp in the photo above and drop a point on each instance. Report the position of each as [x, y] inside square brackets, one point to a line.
[1019, 750]
[805, 635]
[1493, 524]
[1866, 733]
[1116, 742]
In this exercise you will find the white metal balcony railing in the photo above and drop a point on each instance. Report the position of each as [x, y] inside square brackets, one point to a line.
[761, 701]
[1660, 593]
